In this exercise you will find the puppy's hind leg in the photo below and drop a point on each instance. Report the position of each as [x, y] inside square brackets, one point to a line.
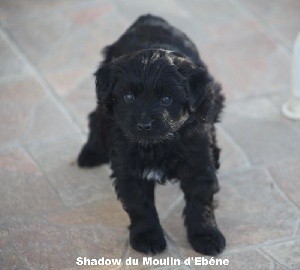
[95, 151]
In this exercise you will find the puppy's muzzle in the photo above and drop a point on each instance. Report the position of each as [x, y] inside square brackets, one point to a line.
[145, 125]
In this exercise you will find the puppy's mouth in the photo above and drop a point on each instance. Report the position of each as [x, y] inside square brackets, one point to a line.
[146, 140]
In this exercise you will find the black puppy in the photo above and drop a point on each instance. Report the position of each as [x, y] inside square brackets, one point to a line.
[157, 105]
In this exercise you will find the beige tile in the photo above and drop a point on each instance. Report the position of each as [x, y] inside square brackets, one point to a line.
[18, 99]
[286, 175]
[220, 20]
[9, 257]
[25, 191]
[48, 120]
[287, 253]
[13, 10]
[50, 246]
[108, 212]
[231, 157]
[260, 130]
[165, 197]
[65, 45]
[248, 66]
[280, 17]
[75, 186]
[11, 64]
[81, 101]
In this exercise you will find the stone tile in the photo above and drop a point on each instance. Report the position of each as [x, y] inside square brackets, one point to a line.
[28, 114]
[38, 35]
[279, 267]
[165, 197]
[49, 246]
[75, 59]
[214, 16]
[66, 44]
[81, 101]
[9, 258]
[11, 64]
[168, 9]
[287, 253]
[74, 185]
[273, 16]
[173, 225]
[17, 162]
[17, 100]
[47, 120]
[231, 157]
[13, 10]
[24, 190]
[108, 212]
[298, 228]
[51, 153]
[247, 215]
[100, 241]
[261, 131]
[230, 62]
[286, 175]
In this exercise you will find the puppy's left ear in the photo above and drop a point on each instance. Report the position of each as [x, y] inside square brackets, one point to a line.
[197, 87]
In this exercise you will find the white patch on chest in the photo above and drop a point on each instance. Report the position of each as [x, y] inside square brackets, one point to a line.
[153, 174]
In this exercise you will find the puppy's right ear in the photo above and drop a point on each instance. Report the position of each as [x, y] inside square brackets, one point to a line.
[104, 83]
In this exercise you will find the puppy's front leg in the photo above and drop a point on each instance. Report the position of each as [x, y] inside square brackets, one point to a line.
[137, 197]
[199, 185]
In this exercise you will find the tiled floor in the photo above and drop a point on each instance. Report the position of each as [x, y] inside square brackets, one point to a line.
[51, 212]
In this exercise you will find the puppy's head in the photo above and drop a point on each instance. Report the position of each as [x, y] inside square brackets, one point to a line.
[151, 93]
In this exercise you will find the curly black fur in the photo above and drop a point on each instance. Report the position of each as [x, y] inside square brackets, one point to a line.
[149, 139]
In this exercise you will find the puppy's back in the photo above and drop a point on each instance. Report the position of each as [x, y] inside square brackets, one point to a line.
[148, 32]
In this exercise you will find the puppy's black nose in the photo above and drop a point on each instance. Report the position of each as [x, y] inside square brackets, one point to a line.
[145, 125]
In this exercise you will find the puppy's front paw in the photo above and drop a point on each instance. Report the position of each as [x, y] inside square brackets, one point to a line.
[89, 158]
[208, 241]
[151, 241]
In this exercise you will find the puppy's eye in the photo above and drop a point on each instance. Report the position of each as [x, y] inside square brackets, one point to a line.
[129, 97]
[165, 101]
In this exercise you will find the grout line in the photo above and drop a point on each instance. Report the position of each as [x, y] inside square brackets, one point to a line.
[291, 202]
[20, 256]
[126, 251]
[267, 94]
[37, 74]
[269, 258]
[173, 205]
[297, 228]
[262, 245]
[232, 141]
[175, 249]
[45, 175]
